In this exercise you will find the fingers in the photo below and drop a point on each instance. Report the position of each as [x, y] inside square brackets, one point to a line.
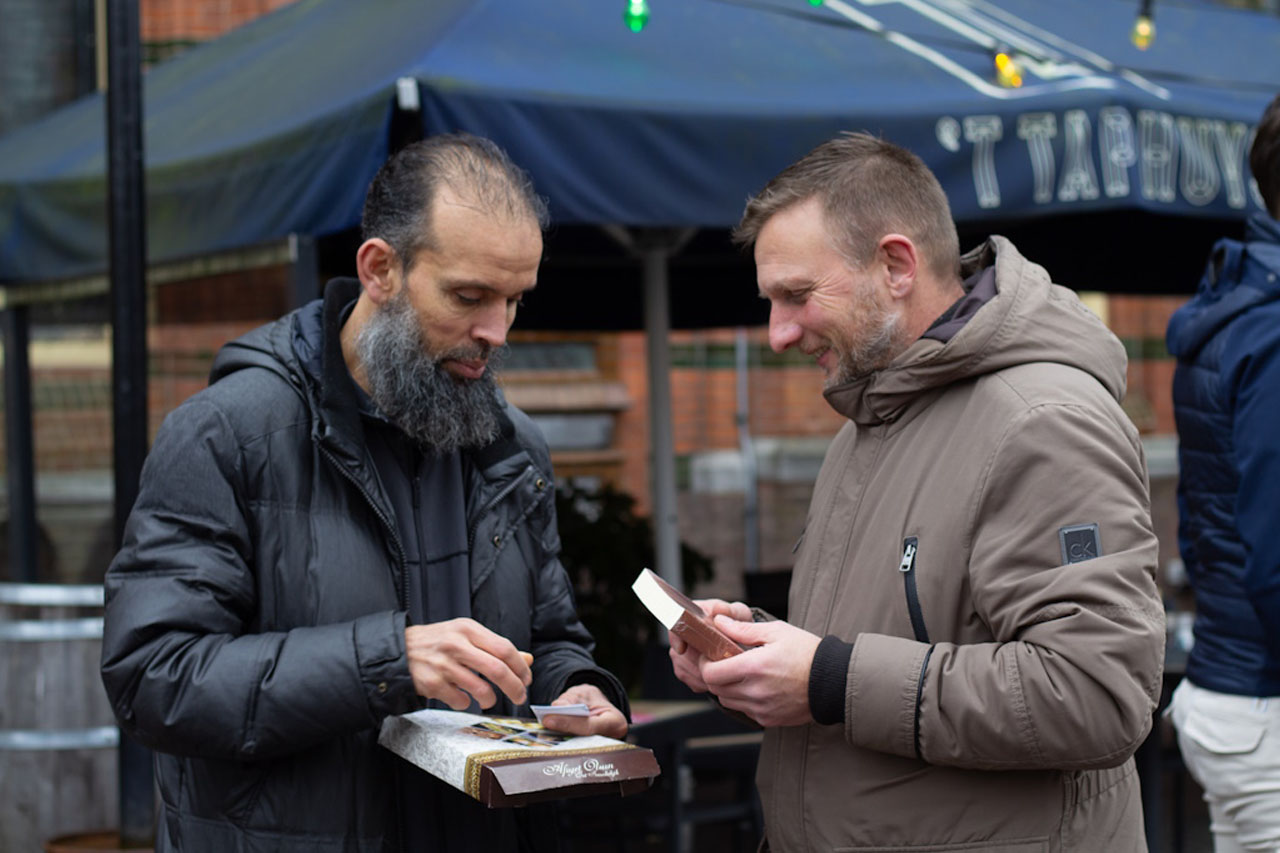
[604, 718]
[453, 658]
[686, 668]
[734, 610]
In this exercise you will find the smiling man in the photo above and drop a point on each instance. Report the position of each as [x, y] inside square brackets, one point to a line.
[976, 635]
[350, 523]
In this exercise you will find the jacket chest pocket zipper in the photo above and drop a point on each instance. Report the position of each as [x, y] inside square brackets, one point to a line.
[907, 566]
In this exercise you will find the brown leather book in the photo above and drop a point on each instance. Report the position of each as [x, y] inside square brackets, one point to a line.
[683, 617]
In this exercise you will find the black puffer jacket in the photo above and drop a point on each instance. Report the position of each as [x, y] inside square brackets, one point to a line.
[255, 616]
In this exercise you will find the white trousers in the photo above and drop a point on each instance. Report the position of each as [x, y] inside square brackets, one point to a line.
[1231, 746]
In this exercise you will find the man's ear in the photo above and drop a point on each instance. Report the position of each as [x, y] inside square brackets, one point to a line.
[901, 262]
[378, 267]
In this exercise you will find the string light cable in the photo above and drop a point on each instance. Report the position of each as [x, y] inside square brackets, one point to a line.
[1041, 62]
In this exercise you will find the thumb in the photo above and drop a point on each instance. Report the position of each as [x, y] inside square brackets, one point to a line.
[746, 633]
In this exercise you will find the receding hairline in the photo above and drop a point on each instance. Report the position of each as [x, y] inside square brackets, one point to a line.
[480, 186]
[864, 184]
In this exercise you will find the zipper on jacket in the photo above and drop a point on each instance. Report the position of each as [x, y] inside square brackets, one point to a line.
[908, 568]
[398, 575]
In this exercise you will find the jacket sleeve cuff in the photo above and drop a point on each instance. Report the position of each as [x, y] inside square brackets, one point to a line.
[609, 686]
[384, 665]
[828, 677]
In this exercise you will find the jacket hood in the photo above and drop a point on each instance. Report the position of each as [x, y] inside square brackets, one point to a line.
[302, 347]
[1030, 319]
[1236, 277]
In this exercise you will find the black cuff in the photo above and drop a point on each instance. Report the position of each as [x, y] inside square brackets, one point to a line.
[828, 676]
[609, 686]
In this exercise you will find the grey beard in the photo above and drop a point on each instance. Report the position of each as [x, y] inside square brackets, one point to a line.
[409, 386]
[880, 344]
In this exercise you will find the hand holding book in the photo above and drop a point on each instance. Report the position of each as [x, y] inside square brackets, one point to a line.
[687, 620]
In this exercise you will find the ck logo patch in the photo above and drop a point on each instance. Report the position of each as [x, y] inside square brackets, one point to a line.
[1079, 542]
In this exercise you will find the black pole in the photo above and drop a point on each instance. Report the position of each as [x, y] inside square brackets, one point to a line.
[126, 214]
[19, 446]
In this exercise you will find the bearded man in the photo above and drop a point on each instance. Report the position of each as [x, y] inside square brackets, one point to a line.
[350, 523]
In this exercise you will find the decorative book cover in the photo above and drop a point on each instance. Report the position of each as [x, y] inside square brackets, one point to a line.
[508, 761]
[683, 617]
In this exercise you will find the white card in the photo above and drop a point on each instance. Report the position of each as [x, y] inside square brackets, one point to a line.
[541, 711]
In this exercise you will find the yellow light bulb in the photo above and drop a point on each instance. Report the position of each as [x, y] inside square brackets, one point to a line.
[1008, 74]
[1144, 32]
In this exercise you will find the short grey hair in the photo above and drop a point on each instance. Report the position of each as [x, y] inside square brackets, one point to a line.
[868, 187]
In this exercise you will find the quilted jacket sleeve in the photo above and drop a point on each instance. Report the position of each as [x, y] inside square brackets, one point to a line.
[185, 669]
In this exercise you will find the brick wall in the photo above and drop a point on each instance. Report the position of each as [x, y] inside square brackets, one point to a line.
[1140, 323]
[784, 398]
[199, 20]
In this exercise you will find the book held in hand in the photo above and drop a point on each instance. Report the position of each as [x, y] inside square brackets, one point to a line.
[683, 617]
[509, 761]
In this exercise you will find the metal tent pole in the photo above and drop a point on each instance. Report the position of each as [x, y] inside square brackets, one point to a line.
[657, 326]
[654, 247]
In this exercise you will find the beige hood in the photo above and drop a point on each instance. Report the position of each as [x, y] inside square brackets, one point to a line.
[1031, 319]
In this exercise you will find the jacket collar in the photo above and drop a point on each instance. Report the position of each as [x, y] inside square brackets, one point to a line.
[1029, 320]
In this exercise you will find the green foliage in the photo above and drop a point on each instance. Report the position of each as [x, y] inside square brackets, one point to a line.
[604, 546]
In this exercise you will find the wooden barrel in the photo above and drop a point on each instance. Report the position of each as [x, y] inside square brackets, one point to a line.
[57, 733]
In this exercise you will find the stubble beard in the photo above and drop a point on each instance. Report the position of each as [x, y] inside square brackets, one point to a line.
[872, 342]
[411, 388]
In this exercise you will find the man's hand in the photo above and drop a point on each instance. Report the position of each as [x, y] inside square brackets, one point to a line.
[447, 660]
[604, 718]
[686, 660]
[769, 683]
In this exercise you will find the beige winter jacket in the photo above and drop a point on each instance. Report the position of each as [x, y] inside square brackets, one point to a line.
[1012, 728]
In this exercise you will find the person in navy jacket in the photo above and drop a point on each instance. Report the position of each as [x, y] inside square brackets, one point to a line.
[1226, 394]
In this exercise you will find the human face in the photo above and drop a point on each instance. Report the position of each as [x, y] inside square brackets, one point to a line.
[466, 290]
[819, 303]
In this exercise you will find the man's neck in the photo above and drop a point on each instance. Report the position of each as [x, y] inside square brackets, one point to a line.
[933, 297]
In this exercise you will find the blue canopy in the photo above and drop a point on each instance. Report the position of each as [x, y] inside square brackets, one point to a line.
[278, 127]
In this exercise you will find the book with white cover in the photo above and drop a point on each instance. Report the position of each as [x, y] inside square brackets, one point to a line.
[682, 616]
[506, 761]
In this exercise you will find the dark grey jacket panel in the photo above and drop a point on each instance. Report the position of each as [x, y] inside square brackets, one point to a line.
[255, 623]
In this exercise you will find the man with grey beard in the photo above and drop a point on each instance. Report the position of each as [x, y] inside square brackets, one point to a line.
[351, 523]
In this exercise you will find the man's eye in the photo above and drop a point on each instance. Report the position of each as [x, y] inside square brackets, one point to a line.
[466, 299]
[516, 302]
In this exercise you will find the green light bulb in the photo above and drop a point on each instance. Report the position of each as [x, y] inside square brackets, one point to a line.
[637, 15]
[815, 2]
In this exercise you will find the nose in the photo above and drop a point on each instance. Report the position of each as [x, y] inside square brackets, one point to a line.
[784, 332]
[492, 325]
